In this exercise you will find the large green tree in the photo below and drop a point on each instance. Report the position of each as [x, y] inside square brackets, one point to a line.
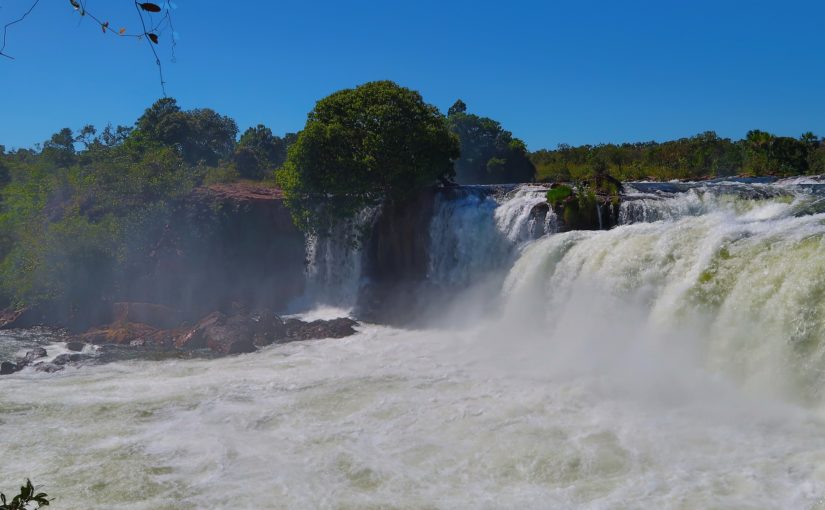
[489, 153]
[378, 141]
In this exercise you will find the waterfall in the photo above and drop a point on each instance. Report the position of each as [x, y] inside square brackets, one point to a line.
[474, 230]
[334, 263]
[519, 215]
[650, 202]
[720, 250]
[479, 229]
[740, 267]
[674, 361]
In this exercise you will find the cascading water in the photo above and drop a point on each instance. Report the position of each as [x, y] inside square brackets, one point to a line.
[476, 230]
[649, 202]
[675, 361]
[334, 264]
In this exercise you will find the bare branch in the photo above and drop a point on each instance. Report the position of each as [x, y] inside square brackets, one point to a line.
[152, 47]
[150, 35]
[6, 28]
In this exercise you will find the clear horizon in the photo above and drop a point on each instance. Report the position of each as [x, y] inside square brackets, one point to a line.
[550, 73]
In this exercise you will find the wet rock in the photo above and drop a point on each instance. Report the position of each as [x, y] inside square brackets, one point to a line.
[538, 215]
[234, 334]
[195, 337]
[8, 316]
[156, 316]
[335, 328]
[36, 353]
[269, 329]
[65, 359]
[18, 318]
[125, 333]
[48, 367]
[8, 367]
[74, 345]
[221, 334]
[396, 257]
[29, 358]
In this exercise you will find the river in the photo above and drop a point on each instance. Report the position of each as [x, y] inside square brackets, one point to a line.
[675, 361]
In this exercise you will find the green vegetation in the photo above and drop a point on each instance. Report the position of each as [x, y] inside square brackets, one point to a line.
[702, 156]
[580, 213]
[27, 499]
[259, 152]
[489, 154]
[199, 136]
[78, 214]
[378, 141]
[592, 203]
[556, 195]
[82, 211]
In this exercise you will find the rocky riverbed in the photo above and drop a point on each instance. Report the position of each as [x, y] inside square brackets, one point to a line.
[145, 330]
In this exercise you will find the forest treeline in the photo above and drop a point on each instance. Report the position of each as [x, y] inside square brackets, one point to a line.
[705, 155]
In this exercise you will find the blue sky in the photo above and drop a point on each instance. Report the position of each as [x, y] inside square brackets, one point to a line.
[552, 72]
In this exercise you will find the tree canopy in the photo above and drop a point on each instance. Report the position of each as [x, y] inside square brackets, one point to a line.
[200, 135]
[489, 154]
[259, 152]
[378, 141]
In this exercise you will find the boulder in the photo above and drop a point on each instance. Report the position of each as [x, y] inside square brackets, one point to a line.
[335, 328]
[221, 334]
[74, 345]
[36, 353]
[157, 316]
[48, 367]
[233, 334]
[8, 367]
[125, 334]
[268, 330]
[66, 358]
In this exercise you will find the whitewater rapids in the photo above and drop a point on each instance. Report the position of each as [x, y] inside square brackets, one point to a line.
[675, 361]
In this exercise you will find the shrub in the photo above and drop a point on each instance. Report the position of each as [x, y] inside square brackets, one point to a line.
[24, 500]
[556, 195]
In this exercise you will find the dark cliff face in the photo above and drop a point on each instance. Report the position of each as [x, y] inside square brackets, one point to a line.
[228, 247]
[396, 261]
